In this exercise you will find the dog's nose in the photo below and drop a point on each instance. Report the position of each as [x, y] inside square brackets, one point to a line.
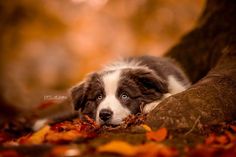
[105, 114]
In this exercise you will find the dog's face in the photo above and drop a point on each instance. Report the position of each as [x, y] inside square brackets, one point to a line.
[110, 96]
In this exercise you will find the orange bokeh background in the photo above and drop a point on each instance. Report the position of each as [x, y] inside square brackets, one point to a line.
[47, 46]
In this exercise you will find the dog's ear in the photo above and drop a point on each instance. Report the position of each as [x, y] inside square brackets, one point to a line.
[150, 80]
[78, 97]
[79, 93]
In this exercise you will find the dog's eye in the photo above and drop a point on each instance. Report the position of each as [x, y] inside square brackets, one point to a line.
[99, 97]
[124, 96]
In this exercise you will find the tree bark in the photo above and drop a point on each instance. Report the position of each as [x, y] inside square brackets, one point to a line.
[7, 111]
[208, 53]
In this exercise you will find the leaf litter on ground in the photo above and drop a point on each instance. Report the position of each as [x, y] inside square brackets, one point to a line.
[76, 137]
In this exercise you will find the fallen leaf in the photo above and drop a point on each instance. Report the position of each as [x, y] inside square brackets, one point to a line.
[60, 137]
[233, 127]
[9, 153]
[186, 149]
[222, 139]
[150, 149]
[202, 151]
[65, 151]
[59, 150]
[38, 137]
[155, 149]
[230, 136]
[158, 135]
[146, 127]
[4, 137]
[210, 139]
[118, 147]
[24, 139]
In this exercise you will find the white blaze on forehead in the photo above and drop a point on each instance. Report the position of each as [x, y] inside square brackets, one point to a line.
[111, 81]
[125, 64]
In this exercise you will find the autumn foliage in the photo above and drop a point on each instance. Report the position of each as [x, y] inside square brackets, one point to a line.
[154, 143]
[46, 46]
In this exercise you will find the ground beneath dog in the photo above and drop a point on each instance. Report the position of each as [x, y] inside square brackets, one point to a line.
[133, 138]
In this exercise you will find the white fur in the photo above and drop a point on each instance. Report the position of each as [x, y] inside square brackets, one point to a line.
[174, 85]
[39, 124]
[149, 107]
[110, 101]
[111, 84]
[124, 64]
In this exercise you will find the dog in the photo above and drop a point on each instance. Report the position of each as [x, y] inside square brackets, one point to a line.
[129, 86]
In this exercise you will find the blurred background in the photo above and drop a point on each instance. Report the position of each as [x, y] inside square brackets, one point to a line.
[47, 46]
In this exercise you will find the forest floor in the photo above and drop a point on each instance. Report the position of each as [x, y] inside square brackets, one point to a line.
[133, 138]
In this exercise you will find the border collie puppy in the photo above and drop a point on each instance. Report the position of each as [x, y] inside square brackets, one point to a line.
[130, 86]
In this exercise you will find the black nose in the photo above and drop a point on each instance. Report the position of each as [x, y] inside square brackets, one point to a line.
[105, 114]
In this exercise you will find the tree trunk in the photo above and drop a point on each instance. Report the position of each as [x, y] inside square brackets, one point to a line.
[7, 111]
[208, 53]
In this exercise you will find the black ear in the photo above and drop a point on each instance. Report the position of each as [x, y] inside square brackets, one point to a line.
[78, 96]
[150, 80]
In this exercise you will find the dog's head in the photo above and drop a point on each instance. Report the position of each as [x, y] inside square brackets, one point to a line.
[110, 96]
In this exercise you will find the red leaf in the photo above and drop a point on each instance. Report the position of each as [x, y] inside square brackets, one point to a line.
[4, 137]
[210, 139]
[158, 135]
[9, 153]
[233, 127]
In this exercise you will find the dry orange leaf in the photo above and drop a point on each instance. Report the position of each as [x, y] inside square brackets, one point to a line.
[222, 139]
[152, 149]
[230, 136]
[210, 139]
[149, 149]
[158, 135]
[146, 127]
[59, 150]
[55, 137]
[65, 151]
[118, 147]
[38, 137]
